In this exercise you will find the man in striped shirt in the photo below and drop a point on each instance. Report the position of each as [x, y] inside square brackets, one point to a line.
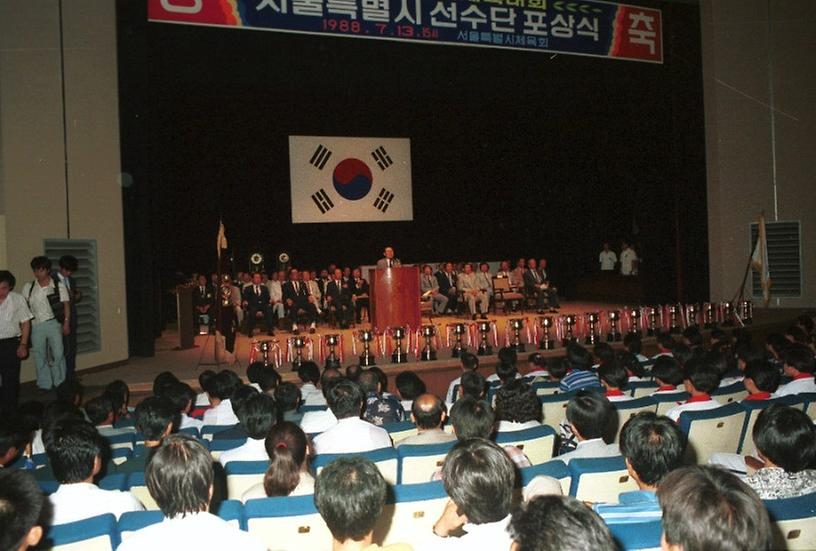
[580, 374]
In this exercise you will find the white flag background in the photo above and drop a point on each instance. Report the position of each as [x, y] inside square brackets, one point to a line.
[337, 179]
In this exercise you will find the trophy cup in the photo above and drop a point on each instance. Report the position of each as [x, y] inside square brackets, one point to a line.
[398, 356]
[709, 315]
[746, 311]
[691, 314]
[652, 330]
[634, 322]
[569, 321]
[614, 334]
[367, 358]
[265, 347]
[728, 313]
[332, 361]
[517, 324]
[458, 330]
[298, 343]
[674, 327]
[428, 353]
[546, 343]
[592, 320]
[484, 346]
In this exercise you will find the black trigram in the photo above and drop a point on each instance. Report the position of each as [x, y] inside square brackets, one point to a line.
[320, 157]
[381, 156]
[323, 201]
[383, 200]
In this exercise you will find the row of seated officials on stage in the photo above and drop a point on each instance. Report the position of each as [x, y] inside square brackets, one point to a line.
[700, 507]
[342, 294]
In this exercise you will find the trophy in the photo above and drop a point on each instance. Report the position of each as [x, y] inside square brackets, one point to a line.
[634, 322]
[367, 358]
[592, 319]
[652, 330]
[299, 343]
[709, 315]
[674, 326]
[517, 324]
[484, 346]
[398, 356]
[265, 347]
[546, 343]
[569, 321]
[458, 330]
[428, 353]
[746, 311]
[614, 334]
[728, 313]
[691, 314]
[332, 361]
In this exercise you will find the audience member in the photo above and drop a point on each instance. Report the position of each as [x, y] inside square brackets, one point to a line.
[314, 422]
[635, 371]
[257, 416]
[799, 365]
[409, 387]
[589, 418]
[557, 369]
[603, 352]
[23, 513]
[309, 375]
[699, 380]
[100, 412]
[665, 345]
[668, 374]
[353, 373]
[288, 472]
[634, 345]
[761, 380]
[469, 362]
[182, 397]
[614, 379]
[220, 390]
[517, 407]
[428, 412]
[12, 440]
[380, 409]
[580, 375]
[351, 434]
[155, 418]
[536, 367]
[287, 400]
[474, 385]
[239, 398]
[559, 523]
[162, 381]
[204, 379]
[268, 380]
[119, 393]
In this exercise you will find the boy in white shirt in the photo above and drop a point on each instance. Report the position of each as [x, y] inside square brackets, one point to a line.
[799, 366]
[699, 380]
[220, 389]
[613, 378]
[470, 362]
[668, 375]
[182, 397]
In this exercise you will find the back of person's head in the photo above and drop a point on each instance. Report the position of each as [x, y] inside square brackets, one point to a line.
[369, 382]
[240, 396]
[693, 336]
[631, 364]
[180, 395]
[472, 418]
[287, 397]
[557, 368]
[163, 380]
[666, 341]
[286, 445]
[805, 321]
[702, 376]
[22, 510]
[350, 494]
[633, 343]
[70, 391]
[613, 374]
[427, 411]
[345, 399]
[536, 359]
[506, 372]
[352, 372]
[764, 375]
[69, 262]
[719, 360]
[799, 357]
[473, 384]
[204, 379]
[381, 375]
[308, 372]
[668, 370]
[517, 402]
[153, 415]
[604, 352]
[56, 413]
[326, 379]
[269, 379]
[682, 353]
[578, 357]
[479, 478]
[254, 371]
[119, 392]
[653, 445]
[13, 439]
[222, 386]
[73, 450]
[777, 343]
[508, 355]
[796, 334]
[559, 523]
[409, 385]
[707, 508]
[591, 414]
[470, 361]
[786, 437]
[749, 353]
[257, 415]
[100, 410]
[179, 476]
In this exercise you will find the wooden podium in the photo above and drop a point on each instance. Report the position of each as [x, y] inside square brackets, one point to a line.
[394, 298]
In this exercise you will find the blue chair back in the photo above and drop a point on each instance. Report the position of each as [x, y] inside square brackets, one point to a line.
[101, 530]
[795, 521]
[114, 481]
[226, 444]
[731, 393]
[136, 520]
[208, 430]
[640, 389]
[627, 409]
[232, 510]
[665, 402]
[634, 536]
[417, 463]
[713, 430]
[537, 443]
[600, 479]
[555, 469]
[753, 408]
[385, 459]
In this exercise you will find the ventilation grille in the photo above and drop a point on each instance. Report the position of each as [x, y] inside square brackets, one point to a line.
[86, 279]
[784, 259]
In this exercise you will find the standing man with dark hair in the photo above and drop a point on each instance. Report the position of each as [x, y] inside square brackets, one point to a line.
[179, 478]
[49, 301]
[21, 510]
[388, 260]
[68, 264]
[15, 330]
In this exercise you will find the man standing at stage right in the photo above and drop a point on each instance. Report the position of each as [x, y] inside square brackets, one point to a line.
[628, 260]
[607, 259]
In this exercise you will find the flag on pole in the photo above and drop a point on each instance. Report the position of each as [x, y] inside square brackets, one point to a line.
[759, 260]
[221, 240]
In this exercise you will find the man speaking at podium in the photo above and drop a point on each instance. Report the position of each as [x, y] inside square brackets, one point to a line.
[388, 260]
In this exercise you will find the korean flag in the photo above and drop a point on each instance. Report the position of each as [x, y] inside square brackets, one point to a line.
[337, 179]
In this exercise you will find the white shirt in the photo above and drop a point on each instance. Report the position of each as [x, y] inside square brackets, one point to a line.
[674, 413]
[493, 378]
[221, 414]
[13, 312]
[199, 531]
[491, 535]
[190, 422]
[79, 501]
[314, 398]
[251, 450]
[304, 488]
[315, 422]
[352, 435]
[202, 399]
[275, 291]
[109, 430]
[797, 386]
[511, 426]
[306, 391]
[595, 447]
[627, 259]
[38, 303]
[607, 260]
[449, 397]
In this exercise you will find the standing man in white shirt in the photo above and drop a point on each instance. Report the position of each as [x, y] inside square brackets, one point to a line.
[607, 259]
[15, 329]
[50, 303]
[628, 260]
[351, 434]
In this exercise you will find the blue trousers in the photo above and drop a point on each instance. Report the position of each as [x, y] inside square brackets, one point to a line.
[46, 337]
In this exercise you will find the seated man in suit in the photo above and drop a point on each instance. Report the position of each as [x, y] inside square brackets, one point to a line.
[360, 295]
[447, 285]
[472, 292]
[203, 301]
[275, 285]
[388, 260]
[535, 285]
[429, 286]
[315, 294]
[256, 304]
[296, 297]
[517, 275]
[339, 298]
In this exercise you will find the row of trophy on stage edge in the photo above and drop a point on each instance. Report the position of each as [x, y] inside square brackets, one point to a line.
[566, 329]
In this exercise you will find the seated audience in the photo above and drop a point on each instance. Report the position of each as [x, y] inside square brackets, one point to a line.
[699, 379]
[708, 508]
[614, 379]
[580, 375]
[634, 345]
[314, 422]
[517, 407]
[53, 414]
[119, 393]
[13, 440]
[635, 371]
[351, 434]
[380, 409]
[472, 418]
[693, 339]
[309, 375]
[352, 373]
[23, 515]
[182, 397]
[350, 495]
[204, 378]
[155, 417]
[287, 401]
[179, 478]
[162, 381]
[720, 340]
[589, 419]
[100, 412]
[479, 480]
[470, 362]
[761, 380]
[288, 472]
[604, 353]
[536, 367]
[75, 456]
[559, 523]
[665, 345]
[428, 413]
[508, 357]
[253, 372]
[652, 447]
[799, 365]
[409, 387]
[473, 384]
[505, 373]
[239, 398]
[668, 374]
[557, 369]
[256, 416]
[220, 390]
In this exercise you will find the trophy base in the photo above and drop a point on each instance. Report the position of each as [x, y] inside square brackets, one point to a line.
[613, 337]
[428, 355]
[458, 351]
[399, 358]
[591, 339]
[332, 363]
[546, 345]
[519, 347]
[484, 351]
[367, 360]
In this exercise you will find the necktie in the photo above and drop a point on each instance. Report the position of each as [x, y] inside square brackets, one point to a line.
[257, 291]
[536, 276]
[297, 288]
[389, 263]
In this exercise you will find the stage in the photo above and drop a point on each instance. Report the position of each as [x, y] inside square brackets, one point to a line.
[139, 373]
